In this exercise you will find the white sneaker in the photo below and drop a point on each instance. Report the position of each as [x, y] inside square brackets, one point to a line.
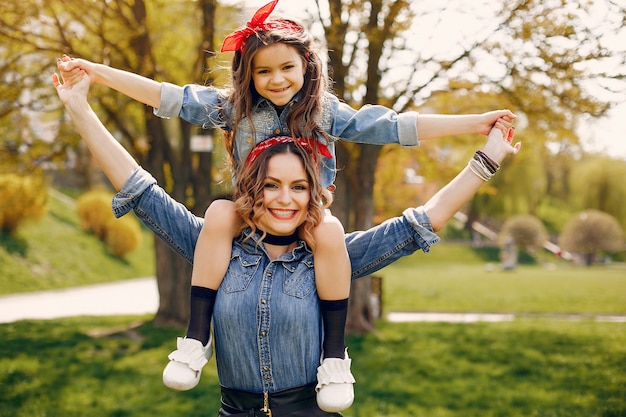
[335, 391]
[183, 371]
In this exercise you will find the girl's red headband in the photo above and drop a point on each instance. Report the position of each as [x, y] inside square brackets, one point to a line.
[236, 40]
[311, 145]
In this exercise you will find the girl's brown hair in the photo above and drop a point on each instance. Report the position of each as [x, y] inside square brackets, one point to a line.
[303, 116]
[248, 194]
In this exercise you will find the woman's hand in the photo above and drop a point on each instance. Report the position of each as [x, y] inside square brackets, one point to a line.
[500, 141]
[72, 93]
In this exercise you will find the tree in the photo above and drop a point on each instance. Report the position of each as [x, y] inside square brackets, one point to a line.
[539, 58]
[598, 183]
[590, 233]
[522, 232]
[135, 36]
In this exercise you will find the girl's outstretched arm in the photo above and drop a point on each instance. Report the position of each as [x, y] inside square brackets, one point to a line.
[116, 162]
[431, 126]
[135, 86]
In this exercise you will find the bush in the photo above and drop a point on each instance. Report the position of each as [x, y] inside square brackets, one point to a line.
[120, 235]
[94, 211]
[21, 198]
[527, 233]
[591, 232]
[123, 235]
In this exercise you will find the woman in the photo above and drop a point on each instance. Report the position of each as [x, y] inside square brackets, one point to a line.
[278, 87]
[267, 324]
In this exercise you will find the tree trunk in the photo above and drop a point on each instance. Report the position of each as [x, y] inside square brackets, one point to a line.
[360, 314]
[173, 275]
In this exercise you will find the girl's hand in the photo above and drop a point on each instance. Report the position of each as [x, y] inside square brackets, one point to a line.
[489, 119]
[72, 70]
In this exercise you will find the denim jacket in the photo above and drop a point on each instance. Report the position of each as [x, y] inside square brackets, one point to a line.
[208, 107]
[266, 321]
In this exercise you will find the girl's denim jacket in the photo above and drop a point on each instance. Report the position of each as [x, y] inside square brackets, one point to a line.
[267, 324]
[208, 107]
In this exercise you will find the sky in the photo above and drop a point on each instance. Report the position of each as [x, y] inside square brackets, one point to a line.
[606, 135]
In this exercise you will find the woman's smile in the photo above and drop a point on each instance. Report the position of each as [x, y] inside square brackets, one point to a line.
[286, 195]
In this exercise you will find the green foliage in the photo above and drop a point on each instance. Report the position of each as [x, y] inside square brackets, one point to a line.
[598, 183]
[590, 233]
[554, 214]
[120, 235]
[94, 211]
[123, 235]
[525, 231]
[22, 198]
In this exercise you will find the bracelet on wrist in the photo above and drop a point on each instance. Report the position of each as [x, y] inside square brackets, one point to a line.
[488, 161]
[482, 166]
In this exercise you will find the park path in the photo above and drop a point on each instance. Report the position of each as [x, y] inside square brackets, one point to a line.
[141, 296]
[128, 297]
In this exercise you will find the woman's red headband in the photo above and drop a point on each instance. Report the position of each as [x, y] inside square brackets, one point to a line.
[236, 40]
[311, 145]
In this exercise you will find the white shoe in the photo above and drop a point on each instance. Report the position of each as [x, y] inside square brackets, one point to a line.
[186, 362]
[335, 391]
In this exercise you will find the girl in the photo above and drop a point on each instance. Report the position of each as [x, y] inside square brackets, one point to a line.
[278, 89]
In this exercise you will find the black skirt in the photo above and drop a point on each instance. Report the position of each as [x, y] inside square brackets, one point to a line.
[293, 402]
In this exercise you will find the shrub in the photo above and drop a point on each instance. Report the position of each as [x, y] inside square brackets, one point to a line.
[591, 232]
[123, 235]
[94, 211]
[120, 235]
[21, 198]
[527, 233]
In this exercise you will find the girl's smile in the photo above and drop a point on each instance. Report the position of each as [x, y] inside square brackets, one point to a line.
[278, 73]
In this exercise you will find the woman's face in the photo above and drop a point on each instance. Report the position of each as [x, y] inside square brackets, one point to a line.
[278, 73]
[286, 195]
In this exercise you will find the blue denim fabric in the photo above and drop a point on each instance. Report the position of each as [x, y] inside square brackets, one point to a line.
[372, 124]
[267, 323]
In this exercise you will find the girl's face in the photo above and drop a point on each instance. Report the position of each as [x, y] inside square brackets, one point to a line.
[286, 195]
[278, 73]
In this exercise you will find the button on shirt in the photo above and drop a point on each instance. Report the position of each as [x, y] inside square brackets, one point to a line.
[267, 323]
[209, 108]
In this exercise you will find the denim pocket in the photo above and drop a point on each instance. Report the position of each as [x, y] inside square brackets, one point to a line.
[299, 279]
[240, 272]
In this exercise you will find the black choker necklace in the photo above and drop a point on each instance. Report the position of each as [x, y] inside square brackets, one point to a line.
[280, 240]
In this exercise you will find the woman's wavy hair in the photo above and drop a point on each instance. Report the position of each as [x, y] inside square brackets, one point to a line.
[303, 117]
[248, 193]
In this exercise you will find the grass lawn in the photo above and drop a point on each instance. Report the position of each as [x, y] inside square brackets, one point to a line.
[529, 367]
[444, 283]
[55, 253]
[538, 365]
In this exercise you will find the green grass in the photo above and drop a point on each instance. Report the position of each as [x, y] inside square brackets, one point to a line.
[471, 284]
[55, 253]
[528, 367]
[540, 366]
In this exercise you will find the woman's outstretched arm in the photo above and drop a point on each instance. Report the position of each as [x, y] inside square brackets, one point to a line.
[116, 162]
[447, 201]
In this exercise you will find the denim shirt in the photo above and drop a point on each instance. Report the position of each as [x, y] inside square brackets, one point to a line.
[208, 107]
[267, 323]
